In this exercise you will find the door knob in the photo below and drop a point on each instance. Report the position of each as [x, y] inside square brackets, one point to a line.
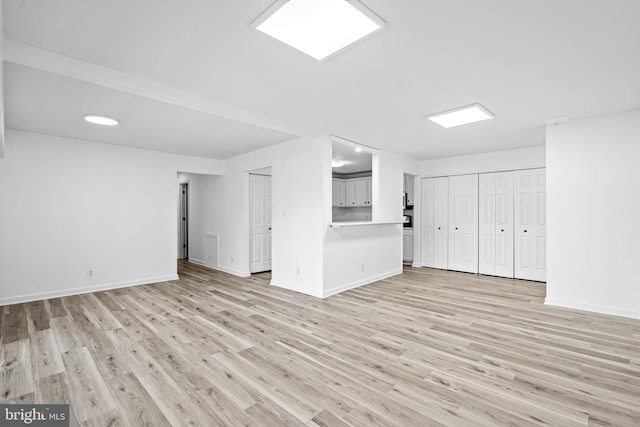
[502, 231]
[456, 228]
[525, 231]
[439, 228]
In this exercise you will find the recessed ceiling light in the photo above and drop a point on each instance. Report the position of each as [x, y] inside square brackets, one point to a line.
[461, 116]
[318, 28]
[101, 120]
[337, 164]
[358, 150]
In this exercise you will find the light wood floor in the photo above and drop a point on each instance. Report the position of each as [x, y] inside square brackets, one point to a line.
[426, 348]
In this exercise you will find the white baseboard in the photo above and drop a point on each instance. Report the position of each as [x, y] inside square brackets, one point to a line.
[362, 282]
[239, 273]
[84, 290]
[197, 261]
[292, 287]
[595, 308]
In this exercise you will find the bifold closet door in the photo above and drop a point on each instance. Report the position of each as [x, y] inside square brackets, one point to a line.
[435, 208]
[530, 224]
[495, 224]
[463, 223]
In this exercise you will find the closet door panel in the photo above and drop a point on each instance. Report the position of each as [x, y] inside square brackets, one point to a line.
[463, 223]
[540, 224]
[435, 215]
[496, 224]
[441, 222]
[530, 224]
[487, 224]
[428, 222]
[504, 224]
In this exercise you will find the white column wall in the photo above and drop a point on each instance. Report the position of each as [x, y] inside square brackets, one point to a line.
[355, 256]
[297, 208]
[593, 206]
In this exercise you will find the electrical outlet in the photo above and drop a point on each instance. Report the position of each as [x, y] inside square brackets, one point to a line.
[298, 271]
[89, 273]
[231, 258]
[361, 267]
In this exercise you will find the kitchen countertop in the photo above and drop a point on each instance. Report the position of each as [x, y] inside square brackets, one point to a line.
[361, 223]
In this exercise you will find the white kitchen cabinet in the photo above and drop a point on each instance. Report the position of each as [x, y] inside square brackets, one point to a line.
[358, 192]
[463, 223]
[361, 191]
[495, 247]
[338, 192]
[407, 245]
[350, 193]
[530, 221]
[435, 217]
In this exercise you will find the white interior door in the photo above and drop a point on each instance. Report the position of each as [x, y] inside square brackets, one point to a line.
[463, 223]
[441, 250]
[504, 224]
[487, 224]
[428, 222]
[530, 224]
[495, 224]
[435, 209]
[260, 233]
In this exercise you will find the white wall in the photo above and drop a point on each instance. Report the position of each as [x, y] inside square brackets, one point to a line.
[297, 209]
[205, 212]
[593, 206]
[355, 256]
[308, 255]
[71, 205]
[522, 158]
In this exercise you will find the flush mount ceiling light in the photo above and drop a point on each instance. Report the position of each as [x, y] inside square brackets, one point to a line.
[101, 120]
[358, 150]
[461, 116]
[337, 164]
[318, 28]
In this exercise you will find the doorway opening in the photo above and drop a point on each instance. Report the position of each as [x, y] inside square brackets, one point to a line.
[183, 231]
[260, 220]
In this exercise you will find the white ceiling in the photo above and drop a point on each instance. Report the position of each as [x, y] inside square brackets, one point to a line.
[526, 61]
[48, 103]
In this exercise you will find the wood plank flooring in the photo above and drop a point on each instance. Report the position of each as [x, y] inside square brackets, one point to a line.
[425, 348]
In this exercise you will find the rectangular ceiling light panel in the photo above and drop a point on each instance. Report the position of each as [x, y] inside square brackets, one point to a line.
[318, 28]
[461, 116]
